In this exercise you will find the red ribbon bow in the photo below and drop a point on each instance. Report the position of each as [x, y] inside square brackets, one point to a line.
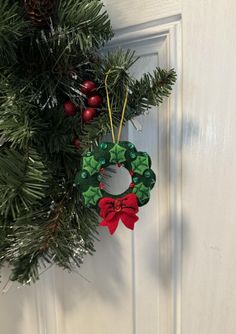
[112, 210]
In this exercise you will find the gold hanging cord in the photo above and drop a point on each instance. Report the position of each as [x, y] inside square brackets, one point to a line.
[110, 111]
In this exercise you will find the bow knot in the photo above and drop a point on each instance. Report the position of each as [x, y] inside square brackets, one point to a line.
[118, 205]
[114, 210]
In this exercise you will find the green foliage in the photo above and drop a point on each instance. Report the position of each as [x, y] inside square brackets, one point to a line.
[22, 181]
[150, 90]
[59, 232]
[18, 123]
[42, 217]
[117, 65]
[11, 30]
[88, 25]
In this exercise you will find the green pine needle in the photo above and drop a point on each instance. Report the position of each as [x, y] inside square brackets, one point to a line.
[12, 27]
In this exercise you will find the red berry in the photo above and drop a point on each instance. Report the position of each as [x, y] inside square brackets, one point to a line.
[101, 185]
[101, 170]
[94, 101]
[76, 143]
[131, 172]
[132, 185]
[88, 114]
[88, 87]
[70, 108]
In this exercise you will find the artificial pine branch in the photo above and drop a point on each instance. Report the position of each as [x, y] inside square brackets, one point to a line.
[23, 180]
[12, 27]
[58, 238]
[89, 25]
[150, 90]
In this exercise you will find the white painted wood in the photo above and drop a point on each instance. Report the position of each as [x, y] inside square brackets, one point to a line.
[209, 164]
[128, 13]
[18, 310]
[35, 309]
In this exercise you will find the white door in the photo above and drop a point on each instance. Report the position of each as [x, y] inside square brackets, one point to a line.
[176, 273]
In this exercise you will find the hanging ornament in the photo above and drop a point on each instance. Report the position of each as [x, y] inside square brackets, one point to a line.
[88, 114]
[76, 143]
[70, 108]
[113, 208]
[88, 87]
[94, 101]
[123, 207]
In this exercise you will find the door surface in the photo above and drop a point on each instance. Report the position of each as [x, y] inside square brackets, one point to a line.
[176, 273]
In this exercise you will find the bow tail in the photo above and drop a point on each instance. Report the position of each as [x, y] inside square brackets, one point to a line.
[129, 220]
[111, 224]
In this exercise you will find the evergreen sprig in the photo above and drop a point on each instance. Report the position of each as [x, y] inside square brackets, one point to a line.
[23, 180]
[88, 25]
[12, 28]
[150, 90]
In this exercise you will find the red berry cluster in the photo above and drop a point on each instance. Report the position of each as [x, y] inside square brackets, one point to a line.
[94, 100]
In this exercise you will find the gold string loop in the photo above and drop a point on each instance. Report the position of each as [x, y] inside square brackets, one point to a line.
[110, 111]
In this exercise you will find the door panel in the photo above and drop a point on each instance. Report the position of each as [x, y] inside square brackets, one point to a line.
[128, 13]
[209, 164]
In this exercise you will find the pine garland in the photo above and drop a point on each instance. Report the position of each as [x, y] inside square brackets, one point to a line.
[42, 217]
